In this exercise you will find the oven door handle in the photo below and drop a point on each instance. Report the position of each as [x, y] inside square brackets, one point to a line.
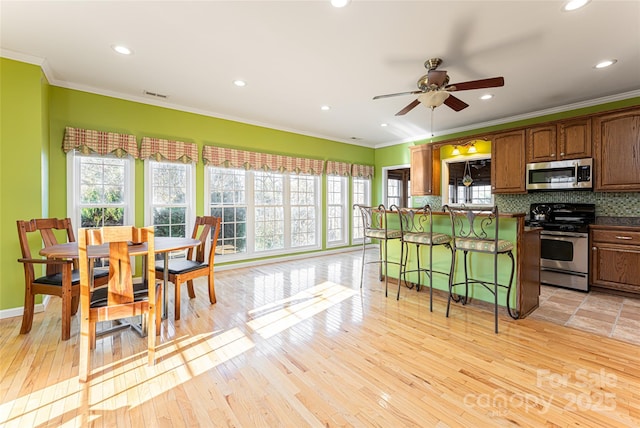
[561, 234]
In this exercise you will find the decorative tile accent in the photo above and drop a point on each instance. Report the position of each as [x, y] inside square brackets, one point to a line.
[615, 204]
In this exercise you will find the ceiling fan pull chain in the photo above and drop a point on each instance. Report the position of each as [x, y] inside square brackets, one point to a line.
[432, 109]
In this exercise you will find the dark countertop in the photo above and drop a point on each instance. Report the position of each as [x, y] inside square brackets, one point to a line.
[617, 221]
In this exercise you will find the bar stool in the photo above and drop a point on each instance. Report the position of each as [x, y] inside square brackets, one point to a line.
[416, 227]
[470, 229]
[374, 225]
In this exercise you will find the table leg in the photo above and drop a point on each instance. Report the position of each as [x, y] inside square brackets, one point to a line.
[165, 271]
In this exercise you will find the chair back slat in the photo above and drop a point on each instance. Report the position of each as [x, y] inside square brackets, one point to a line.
[201, 230]
[120, 278]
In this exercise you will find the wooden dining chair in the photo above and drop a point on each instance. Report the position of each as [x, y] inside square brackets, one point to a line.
[61, 277]
[121, 298]
[195, 265]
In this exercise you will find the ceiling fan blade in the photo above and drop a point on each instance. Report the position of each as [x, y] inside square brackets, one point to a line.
[377, 97]
[455, 103]
[492, 82]
[408, 108]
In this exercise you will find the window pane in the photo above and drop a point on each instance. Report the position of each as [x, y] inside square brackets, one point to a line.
[227, 187]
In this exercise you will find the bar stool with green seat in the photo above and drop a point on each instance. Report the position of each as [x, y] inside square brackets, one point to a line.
[375, 226]
[475, 230]
[416, 226]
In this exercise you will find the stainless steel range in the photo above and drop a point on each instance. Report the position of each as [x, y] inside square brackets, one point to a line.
[564, 253]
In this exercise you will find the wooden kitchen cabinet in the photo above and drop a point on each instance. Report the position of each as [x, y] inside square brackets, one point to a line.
[616, 146]
[541, 143]
[425, 170]
[570, 139]
[615, 258]
[508, 162]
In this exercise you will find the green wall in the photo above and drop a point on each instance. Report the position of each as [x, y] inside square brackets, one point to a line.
[23, 159]
[90, 111]
[34, 115]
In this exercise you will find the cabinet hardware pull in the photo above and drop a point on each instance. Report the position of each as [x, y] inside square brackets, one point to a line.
[594, 248]
[562, 154]
[624, 237]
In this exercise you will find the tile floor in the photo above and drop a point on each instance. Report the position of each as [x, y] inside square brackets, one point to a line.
[603, 314]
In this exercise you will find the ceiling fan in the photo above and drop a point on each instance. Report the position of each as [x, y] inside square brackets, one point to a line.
[434, 89]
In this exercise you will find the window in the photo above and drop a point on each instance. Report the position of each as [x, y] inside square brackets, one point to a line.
[227, 200]
[263, 212]
[100, 190]
[469, 181]
[269, 211]
[361, 194]
[169, 201]
[337, 228]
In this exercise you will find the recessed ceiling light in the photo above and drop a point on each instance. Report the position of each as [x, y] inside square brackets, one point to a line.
[240, 83]
[122, 49]
[605, 63]
[486, 97]
[340, 3]
[325, 108]
[383, 125]
[574, 4]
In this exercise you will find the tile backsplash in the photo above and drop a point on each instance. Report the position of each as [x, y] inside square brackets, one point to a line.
[615, 204]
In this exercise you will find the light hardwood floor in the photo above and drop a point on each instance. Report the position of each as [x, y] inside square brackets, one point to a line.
[296, 344]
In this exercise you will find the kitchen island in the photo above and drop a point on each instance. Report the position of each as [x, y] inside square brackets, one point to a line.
[526, 284]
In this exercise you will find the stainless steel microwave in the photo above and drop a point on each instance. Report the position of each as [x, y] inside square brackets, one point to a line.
[575, 174]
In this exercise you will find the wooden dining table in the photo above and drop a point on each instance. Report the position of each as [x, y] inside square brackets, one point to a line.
[163, 245]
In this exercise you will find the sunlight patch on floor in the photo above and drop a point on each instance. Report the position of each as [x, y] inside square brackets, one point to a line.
[285, 313]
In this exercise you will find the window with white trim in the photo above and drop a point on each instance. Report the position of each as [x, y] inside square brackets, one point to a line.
[337, 226]
[100, 189]
[263, 212]
[361, 195]
[169, 197]
[227, 196]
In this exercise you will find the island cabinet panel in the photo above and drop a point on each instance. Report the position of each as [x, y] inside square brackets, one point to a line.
[508, 162]
[570, 139]
[425, 170]
[615, 258]
[617, 151]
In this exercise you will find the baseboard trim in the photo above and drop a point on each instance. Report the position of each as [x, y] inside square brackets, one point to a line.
[17, 312]
[219, 268]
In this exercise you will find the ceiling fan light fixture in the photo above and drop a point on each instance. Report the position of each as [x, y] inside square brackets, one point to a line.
[433, 98]
[574, 5]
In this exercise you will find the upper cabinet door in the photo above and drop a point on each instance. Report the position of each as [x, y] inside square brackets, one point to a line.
[616, 147]
[541, 144]
[575, 139]
[508, 162]
[425, 170]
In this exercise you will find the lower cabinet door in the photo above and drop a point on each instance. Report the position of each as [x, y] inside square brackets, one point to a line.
[616, 267]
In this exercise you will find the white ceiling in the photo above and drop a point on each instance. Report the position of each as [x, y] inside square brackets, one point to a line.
[299, 55]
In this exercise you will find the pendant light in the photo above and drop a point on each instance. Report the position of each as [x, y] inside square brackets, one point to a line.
[466, 179]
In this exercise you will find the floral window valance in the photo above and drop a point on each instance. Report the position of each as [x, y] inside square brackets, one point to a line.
[338, 168]
[232, 158]
[364, 171]
[168, 150]
[89, 141]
